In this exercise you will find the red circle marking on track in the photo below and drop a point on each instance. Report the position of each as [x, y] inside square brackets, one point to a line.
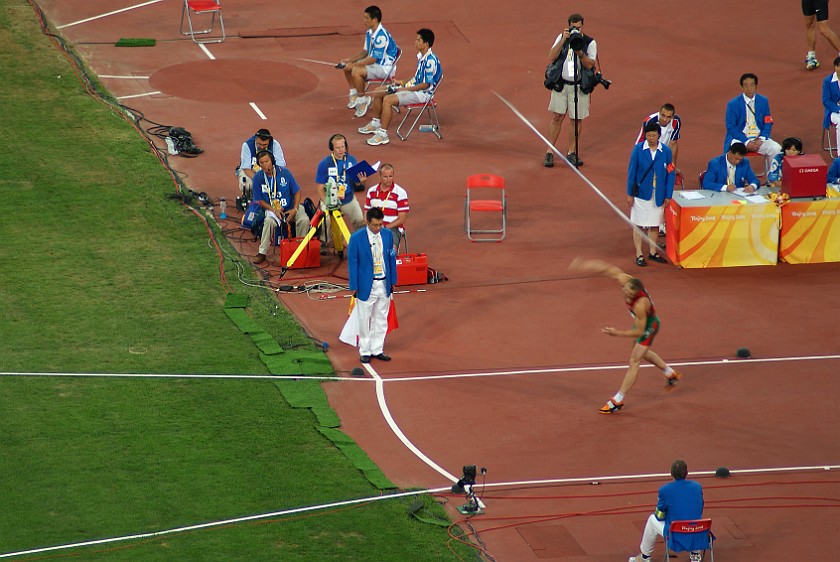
[228, 81]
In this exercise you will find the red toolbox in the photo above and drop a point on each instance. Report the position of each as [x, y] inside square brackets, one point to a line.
[804, 175]
[412, 269]
[309, 257]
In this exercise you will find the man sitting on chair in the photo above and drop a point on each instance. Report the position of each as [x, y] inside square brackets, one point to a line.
[261, 140]
[417, 90]
[679, 500]
[392, 199]
[374, 62]
[749, 121]
[730, 171]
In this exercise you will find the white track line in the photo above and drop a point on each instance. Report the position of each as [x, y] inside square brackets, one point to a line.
[422, 378]
[386, 413]
[113, 76]
[257, 110]
[597, 191]
[371, 499]
[206, 51]
[109, 14]
[138, 95]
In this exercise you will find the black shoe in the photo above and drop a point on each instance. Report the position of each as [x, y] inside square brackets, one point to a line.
[548, 162]
[657, 258]
[382, 357]
[365, 358]
[640, 261]
[575, 161]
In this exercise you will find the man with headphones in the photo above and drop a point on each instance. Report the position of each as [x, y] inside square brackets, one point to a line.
[278, 194]
[261, 140]
[332, 170]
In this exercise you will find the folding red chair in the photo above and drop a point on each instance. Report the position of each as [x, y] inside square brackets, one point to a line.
[762, 174]
[498, 205]
[430, 108]
[388, 80]
[213, 8]
[691, 536]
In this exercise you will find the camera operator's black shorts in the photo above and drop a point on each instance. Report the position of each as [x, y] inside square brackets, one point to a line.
[818, 8]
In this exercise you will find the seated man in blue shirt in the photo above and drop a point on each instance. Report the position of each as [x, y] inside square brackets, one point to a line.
[679, 500]
[279, 196]
[834, 172]
[416, 90]
[730, 171]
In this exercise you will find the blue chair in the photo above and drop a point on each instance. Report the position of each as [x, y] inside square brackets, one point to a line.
[692, 536]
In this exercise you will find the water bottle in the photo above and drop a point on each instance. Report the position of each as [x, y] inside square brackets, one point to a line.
[222, 208]
[426, 128]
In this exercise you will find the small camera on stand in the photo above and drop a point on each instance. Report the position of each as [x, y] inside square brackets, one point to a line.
[474, 505]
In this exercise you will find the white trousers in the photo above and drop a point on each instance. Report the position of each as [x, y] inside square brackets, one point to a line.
[653, 528]
[373, 320]
[835, 119]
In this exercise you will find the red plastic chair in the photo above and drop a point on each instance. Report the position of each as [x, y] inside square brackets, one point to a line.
[498, 205]
[691, 535]
[213, 8]
[763, 174]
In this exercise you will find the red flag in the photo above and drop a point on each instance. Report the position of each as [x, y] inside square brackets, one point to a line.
[392, 318]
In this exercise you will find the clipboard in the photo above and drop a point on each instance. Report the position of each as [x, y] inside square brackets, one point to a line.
[362, 167]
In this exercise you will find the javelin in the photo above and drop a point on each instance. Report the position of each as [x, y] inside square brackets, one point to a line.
[317, 61]
[597, 191]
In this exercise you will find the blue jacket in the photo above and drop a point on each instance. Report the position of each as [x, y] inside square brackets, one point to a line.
[736, 119]
[662, 169]
[716, 172]
[830, 99]
[360, 262]
[834, 172]
[680, 500]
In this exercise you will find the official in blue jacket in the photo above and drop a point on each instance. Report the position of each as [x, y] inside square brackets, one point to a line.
[831, 99]
[372, 261]
[650, 187]
[730, 171]
[749, 121]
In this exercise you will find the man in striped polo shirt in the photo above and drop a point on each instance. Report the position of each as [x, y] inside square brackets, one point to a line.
[392, 199]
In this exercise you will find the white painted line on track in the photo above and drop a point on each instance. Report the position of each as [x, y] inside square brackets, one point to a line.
[115, 77]
[257, 110]
[206, 51]
[137, 95]
[109, 14]
[371, 499]
[422, 378]
[386, 413]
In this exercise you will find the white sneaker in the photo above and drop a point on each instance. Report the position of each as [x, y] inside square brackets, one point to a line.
[362, 105]
[638, 558]
[351, 102]
[381, 137]
[368, 129]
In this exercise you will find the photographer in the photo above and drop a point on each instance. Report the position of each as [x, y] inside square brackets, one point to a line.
[576, 51]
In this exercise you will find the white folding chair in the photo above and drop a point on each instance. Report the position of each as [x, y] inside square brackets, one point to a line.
[828, 142]
[430, 108]
[498, 205]
[211, 8]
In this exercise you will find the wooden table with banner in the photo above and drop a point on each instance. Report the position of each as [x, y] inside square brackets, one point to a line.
[719, 229]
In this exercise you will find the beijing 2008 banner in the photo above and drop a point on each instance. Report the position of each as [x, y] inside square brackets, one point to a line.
[733, 234]
[810, 231]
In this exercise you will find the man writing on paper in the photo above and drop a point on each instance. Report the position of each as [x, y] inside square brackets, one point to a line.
[730, 171]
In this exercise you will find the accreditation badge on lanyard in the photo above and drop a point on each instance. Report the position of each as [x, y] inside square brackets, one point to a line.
[378, 262]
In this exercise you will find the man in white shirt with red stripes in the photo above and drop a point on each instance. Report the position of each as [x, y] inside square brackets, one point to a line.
[392, 199]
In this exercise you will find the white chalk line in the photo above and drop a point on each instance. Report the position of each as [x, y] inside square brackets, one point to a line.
[138, 95]
[371, 499]
[206, 51]
[109, 14]
[118, 77]
[597, 191]
[258, 111]
[421, 378]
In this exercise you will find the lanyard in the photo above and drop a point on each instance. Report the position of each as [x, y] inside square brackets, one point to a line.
[343, 177]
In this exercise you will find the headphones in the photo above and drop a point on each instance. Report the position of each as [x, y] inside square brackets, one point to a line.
[262, 134]
[337, 136]
[262, 153]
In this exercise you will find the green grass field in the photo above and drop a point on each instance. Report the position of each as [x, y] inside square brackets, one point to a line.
[102, 273]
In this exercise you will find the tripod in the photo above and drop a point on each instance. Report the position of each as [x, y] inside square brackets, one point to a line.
[341, 235]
